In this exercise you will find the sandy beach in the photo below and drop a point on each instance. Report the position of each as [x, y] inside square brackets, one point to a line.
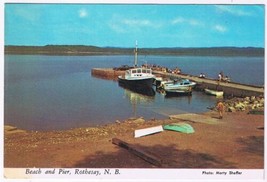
[236, 141]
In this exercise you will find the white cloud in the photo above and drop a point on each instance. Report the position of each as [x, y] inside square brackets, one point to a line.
[178, 20]
[233, 10]
[192, 22]
[27, 13]
[123, 25]
[131, 22]
[138, 23]
[117, 28]
[220, 28]
[82, 13]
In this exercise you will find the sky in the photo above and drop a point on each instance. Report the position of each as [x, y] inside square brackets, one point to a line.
[121, 25]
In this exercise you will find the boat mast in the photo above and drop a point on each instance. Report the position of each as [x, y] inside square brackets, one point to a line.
[135, 55]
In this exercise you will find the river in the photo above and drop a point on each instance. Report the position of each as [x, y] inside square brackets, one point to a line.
[58, 92]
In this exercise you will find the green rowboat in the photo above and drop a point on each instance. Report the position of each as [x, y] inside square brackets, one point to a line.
[179, 127]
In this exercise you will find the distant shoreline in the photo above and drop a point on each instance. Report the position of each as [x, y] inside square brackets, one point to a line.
[81, 50]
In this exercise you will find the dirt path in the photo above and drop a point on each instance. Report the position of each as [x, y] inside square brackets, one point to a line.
[233, 142]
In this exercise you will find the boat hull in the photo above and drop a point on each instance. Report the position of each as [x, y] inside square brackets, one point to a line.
[177, 93]
[214, 92]
[142, 86]
[179, 127]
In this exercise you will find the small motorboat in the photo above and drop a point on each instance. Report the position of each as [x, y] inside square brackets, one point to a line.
[160, 82]
[214, 92]
[182, 84]
[178, 92]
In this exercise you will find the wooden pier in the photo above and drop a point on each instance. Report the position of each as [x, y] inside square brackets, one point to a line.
[229, 88]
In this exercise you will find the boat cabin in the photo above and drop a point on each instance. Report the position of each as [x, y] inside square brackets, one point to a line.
[138, 72]
[184, 82]
[179, 82]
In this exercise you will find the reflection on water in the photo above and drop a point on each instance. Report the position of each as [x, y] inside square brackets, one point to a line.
[181, 97]
[142, 91]
[138, 99]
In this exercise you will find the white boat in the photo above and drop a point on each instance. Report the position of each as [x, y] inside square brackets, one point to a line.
[182, 84]
[178, 92]
[147, 131]
[214, 92]
[138, 79]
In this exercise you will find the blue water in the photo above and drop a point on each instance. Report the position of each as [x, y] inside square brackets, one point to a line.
[58, 92]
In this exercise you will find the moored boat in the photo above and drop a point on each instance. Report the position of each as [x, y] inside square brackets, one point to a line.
[178, 92]
[214, 92]
[138, 78]
[182, 84]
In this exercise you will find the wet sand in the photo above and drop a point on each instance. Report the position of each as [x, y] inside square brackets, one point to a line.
[236, 141]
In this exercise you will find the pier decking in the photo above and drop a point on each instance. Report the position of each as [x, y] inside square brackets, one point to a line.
[229, 88]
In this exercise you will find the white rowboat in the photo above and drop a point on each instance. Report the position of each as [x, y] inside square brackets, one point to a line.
[214, 92]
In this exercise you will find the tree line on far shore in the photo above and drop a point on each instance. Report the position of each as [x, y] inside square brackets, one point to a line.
[93, 50]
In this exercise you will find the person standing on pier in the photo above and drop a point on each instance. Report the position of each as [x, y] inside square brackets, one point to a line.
[220, 76]
[220, 108]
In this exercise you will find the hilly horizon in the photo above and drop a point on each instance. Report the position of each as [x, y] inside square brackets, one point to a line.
[119, 47]
[95, 50]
